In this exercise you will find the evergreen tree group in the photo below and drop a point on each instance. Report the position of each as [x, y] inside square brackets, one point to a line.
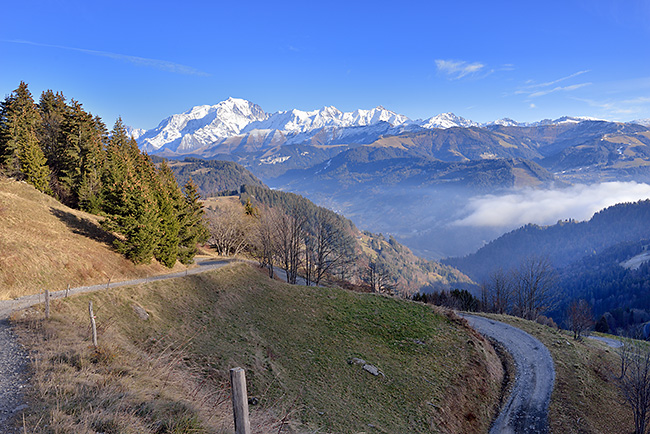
[64, 151]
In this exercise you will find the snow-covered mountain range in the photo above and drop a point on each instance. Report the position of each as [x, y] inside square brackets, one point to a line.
[240, 125]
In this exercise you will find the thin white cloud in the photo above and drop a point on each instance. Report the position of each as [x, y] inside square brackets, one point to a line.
[559, 80]
[457, 69]
[546, 207]
[162, 65]
[558, 89]
[534, 90]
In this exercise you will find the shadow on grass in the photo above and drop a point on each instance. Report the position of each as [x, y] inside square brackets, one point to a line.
[84, 227]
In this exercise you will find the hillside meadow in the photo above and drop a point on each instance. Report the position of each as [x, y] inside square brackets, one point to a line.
[169, 373]
[46, 245]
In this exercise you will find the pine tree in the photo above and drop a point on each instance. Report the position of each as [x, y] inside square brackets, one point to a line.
[20, 151]
[53, 110]
[170, 204]
[85, 157]
[192, 229]
[128, 198]
[33, 164]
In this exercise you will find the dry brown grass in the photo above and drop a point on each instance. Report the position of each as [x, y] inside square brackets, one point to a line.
[46, 245]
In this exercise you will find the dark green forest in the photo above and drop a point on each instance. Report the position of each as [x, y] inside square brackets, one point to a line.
[66, 152]
[589, 259]
[563, 243]
[212, 177]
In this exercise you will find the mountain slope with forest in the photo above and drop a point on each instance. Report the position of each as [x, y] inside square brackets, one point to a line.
[211, 176]
[563, 243]
[407, 272]
[65, 152]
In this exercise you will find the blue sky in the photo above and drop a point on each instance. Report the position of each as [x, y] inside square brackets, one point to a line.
[482, 60]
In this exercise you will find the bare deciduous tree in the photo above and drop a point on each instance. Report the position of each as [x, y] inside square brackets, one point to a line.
[496, 292]
[327, 246]
[579, 317]
[290, 234]
[265, 245]
[634, 381]
[230, 229]
[378, 278]
[534, 290]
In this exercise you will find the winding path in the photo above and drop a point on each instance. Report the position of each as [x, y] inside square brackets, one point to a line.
[526, 410]
[13, 359]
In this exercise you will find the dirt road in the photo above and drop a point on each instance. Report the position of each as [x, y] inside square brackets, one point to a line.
[526, 410]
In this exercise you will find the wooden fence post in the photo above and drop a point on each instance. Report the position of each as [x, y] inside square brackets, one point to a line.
[240, 401]
[92, 322]
[67, 290]
[47, 304]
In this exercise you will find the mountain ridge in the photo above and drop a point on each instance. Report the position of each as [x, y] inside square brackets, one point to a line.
[204, 127]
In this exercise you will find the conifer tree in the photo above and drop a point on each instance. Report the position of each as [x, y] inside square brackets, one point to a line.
[128, 198]
[53, 110]
[85, 157]
[20, 150]
[170, 205]
[192, 229]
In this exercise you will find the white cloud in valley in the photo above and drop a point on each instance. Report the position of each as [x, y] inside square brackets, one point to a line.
[545, 207]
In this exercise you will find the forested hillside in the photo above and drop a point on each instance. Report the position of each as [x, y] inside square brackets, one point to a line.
[604, 261]
[615, 281]
[64, 151]
[563, 243]
[211, 176]
[290, 232]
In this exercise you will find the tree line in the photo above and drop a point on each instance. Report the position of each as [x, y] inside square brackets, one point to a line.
[66, 152]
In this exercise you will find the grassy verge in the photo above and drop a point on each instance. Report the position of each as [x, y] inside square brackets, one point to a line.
[585, 398]
[168, 373]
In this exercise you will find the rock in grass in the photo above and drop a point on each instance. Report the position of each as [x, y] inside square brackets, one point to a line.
[373, 370]
[140, 312]
[356, 361]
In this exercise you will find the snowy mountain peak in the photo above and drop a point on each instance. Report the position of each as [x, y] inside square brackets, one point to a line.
[447, 120]
[644, 122]
[236, 121]
[202, 125]
[564, 120]
[505, 122]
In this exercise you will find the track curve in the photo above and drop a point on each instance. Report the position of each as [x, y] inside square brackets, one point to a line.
[526, 410]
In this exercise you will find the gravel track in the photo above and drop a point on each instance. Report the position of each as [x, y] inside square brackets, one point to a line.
[13, 358]
[526, 410]
[614, 343]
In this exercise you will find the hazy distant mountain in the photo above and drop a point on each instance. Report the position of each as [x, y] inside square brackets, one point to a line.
[406, 177]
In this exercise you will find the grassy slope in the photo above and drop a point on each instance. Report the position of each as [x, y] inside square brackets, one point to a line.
[46, 245]
[585, 398]
[294, 342]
